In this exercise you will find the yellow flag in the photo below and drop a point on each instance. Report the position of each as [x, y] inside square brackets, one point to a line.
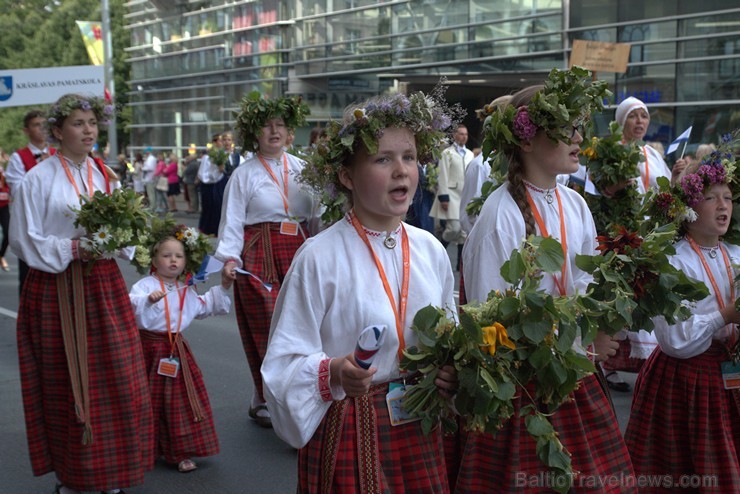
[92, 36]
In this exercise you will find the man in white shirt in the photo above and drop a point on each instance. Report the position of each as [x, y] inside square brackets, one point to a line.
[446, 207]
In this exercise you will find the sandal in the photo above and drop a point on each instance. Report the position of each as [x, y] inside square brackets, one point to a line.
[186, 465]
[261, 415]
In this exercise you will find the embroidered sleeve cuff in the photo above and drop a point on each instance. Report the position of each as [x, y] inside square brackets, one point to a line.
[324, 377]
[717, 322]
[75, 249]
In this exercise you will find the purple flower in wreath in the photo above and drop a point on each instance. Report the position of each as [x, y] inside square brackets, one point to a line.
[108, 110]
[693, 188]
[713, 174]
[524, 129]
[85, 105]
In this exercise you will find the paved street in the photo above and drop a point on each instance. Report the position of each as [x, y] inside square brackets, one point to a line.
[252, 459]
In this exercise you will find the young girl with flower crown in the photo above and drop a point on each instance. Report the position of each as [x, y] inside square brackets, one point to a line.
[368, 269]
[165, 305]
[694, 428]
[85, 396]
[540, 145]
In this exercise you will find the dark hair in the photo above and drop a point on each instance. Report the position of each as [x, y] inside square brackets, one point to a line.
[215, 137]
[517, 188]
[139, 157]
[30, 116]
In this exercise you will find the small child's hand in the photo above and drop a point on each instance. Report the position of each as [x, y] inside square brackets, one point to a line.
[226, 280]
[155, 297]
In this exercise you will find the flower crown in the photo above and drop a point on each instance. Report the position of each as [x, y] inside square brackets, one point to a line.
[68, 103]
[568, 96]
[256, 111]
[196, 245]
[674, 204]
[427, 116]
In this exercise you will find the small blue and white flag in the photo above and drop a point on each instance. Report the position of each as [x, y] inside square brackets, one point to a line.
[684, 137]
[209, 266]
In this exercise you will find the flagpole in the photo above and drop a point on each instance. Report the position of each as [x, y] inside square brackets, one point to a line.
[684, 148]
[109, 83]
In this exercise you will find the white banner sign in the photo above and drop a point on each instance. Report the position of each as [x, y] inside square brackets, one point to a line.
[27, 87]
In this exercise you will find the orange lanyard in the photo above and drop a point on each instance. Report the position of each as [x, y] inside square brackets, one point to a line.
[167, 313]
[71, 178]
[646, 177]
[274, 178]
[563, 238]
[728, 266]
[400, 316]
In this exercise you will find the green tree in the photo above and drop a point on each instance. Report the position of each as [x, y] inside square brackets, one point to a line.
[43, 33]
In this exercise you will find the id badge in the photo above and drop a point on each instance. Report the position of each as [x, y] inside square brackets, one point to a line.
[731, 374]
[394, 400]
[288, 227]
[168, 367]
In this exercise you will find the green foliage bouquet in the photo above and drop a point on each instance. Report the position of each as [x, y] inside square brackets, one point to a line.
[112, 221]
[611, 162]
[517, 347]
[218, 156]
[634, 280]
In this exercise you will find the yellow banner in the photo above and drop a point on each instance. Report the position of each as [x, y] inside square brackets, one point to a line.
[92, 36]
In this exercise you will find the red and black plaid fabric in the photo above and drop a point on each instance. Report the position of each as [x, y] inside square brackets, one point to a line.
[683, 421]
[409, 461]
[254, 304]
[587, 427]
[622, 361]
[177, 434]
[120, 410]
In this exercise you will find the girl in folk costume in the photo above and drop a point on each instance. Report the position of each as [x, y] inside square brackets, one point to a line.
[694, 425]
[540, 144]
[264, 220]
[164, 305]
[632, 114]
[321, 399]
[86, 402]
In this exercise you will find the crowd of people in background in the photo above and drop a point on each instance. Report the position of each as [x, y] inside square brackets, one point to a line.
[122, 391]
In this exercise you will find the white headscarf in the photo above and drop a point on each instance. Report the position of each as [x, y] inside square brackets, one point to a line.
[627, 106]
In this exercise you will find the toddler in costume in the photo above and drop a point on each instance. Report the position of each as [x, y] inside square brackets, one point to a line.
[164, 306]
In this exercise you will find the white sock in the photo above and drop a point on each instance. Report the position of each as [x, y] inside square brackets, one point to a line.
[256, 401]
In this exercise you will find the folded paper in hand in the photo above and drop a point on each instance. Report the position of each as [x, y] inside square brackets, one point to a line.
[368, 344]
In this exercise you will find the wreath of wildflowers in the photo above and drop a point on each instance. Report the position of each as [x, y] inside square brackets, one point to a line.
[568, 96]
[197, 245]
[256, 111]
[55, 115]
[428, 116]
[675, 204]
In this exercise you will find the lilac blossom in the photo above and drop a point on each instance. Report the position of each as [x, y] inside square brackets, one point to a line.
[524, 129]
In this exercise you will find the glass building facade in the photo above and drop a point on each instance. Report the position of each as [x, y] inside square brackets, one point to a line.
[192, 60]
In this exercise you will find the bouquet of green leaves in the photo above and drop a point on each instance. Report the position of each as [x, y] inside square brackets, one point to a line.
[611, 162]
[517, 347]
[112, 221]
[634, 280]
[432, 177]
[218, 156]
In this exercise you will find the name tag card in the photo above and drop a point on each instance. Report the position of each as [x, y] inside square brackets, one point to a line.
[288, 227]
[168, 367]
[731, 374]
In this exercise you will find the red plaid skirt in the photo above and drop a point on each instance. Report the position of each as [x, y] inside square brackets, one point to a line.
[684, 422]
[397, 460]
[587, 427]
[622, 361]
[254, 304]
[120, 409]
[177, 433]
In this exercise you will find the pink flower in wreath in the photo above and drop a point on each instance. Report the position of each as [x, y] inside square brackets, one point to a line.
[524, 129]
